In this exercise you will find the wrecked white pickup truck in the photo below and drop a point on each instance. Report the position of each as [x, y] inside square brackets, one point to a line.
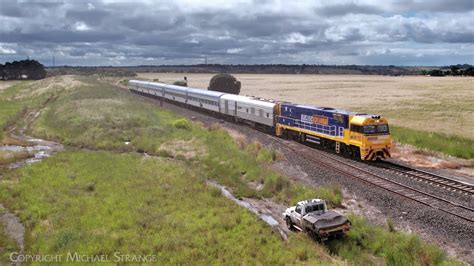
[313, 217]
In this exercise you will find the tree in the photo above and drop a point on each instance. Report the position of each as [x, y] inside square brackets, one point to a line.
[225, 83]
[25, 69]
[2, 72]
[436, 73]
[469, 71]
[454, 70]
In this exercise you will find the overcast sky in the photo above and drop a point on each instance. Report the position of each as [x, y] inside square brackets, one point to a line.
[404, 32]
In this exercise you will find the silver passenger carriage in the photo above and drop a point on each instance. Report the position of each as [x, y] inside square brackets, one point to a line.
[152, 88]
[241, 107]
[175, 93]
[248, 108]
[205, 99]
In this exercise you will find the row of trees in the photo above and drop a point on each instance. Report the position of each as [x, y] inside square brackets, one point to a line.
[24, 69]
[453, 71]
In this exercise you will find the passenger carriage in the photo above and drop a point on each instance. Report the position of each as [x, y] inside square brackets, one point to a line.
[205, 99]
[248, 108]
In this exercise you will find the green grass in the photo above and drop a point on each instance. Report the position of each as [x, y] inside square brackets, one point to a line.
[447, 144]
[101, 203]
[7, 111]
[365, 240]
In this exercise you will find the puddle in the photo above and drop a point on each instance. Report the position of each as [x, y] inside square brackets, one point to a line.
[38, 153]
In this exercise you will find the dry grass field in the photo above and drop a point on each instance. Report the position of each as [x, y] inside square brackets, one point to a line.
[6, 84]
[435, 104]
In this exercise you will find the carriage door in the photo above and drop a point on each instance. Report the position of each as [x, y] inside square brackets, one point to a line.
[226, 107]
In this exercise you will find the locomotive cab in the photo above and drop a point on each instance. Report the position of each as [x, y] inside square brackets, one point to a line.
[371, 134]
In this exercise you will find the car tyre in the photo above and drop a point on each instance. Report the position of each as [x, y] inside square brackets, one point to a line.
[289, 223]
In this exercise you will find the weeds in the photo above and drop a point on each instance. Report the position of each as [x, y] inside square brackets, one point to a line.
[447, 144]
[394, 247]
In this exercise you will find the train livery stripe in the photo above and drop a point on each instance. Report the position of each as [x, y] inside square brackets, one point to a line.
[309, 132]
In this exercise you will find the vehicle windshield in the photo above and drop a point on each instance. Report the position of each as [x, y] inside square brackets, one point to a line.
[314, 207]
[373, 129]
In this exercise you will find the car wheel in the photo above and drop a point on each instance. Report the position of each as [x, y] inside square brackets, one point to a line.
[289, 223]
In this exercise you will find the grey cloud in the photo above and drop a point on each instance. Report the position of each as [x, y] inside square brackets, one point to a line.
[9, 10]
[443, 6]
[148, 23]
[60, 37]
[347, 8]
[241, 33]
[91, 17]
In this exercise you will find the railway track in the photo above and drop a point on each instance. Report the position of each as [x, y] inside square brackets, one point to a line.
[431, 178]
[348, 169]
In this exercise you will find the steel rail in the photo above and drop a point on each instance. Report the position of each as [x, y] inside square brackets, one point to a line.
[443, 181]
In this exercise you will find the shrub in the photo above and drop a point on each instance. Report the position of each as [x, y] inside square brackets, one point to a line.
[181, 83]
[225, 83]
[182, 124]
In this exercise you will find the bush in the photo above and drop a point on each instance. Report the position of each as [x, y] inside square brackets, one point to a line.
[225, 83]
[182, 124]
[181, 83]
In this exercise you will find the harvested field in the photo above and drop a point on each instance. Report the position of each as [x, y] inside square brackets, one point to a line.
[410, 101]
[6, 84]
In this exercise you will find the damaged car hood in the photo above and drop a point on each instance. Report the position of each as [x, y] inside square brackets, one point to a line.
[325, 220]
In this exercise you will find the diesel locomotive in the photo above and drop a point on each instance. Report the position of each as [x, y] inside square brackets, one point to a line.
[361, 136]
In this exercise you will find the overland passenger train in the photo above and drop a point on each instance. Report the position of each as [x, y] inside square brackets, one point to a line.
[361, 136]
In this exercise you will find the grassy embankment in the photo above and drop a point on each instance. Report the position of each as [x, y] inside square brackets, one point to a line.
[448, 144]
[164, 200]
